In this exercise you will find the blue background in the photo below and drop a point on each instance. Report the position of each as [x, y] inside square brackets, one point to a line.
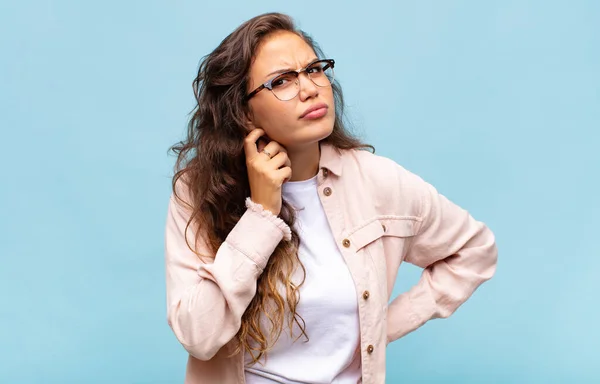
[497, 103]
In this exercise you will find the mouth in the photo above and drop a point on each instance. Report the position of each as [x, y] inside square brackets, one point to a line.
[314, 112]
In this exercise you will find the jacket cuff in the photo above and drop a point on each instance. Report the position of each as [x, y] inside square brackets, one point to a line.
[279, 223]
[257, 234]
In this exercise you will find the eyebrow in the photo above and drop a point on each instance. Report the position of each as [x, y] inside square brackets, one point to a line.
[284, 70]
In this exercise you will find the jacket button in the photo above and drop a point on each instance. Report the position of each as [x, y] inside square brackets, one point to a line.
[370, 349]
[366, 295]
[346, 243]
[327, 191]
[384, 227]
[325, 172]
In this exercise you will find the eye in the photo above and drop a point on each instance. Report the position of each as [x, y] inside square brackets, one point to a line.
[278, 82]
[283, 80]
[316, 68]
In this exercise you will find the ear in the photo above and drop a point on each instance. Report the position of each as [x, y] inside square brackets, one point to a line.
[250, 125]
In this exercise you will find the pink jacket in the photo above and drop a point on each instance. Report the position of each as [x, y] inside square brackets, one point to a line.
[380, 215]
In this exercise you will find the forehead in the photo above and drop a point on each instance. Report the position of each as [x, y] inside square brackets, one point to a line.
[281, 50]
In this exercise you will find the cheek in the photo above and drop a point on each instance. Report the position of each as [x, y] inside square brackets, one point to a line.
[329, 95]
[275, 118]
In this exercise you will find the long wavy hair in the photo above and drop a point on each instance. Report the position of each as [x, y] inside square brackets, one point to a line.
[211, 165]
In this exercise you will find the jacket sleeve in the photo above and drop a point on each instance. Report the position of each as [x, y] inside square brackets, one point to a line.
[457, 253]
[207, 294]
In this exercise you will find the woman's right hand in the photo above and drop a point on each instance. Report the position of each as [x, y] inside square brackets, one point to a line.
[268, 168]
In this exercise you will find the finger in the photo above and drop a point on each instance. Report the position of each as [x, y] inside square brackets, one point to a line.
[273, 148]
[250, 147]
[262, 143]
[288, 162]
[284, 174]
[280, 160]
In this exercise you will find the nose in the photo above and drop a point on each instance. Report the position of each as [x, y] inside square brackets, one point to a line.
[308, 89]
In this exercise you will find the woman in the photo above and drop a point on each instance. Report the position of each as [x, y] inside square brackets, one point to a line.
[284, 236]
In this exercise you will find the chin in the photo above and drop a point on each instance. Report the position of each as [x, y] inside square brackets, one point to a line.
[313, 133]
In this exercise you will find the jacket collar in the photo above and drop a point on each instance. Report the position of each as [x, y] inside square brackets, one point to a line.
[331, 158]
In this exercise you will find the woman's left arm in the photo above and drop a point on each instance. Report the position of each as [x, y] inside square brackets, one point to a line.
[457, 253]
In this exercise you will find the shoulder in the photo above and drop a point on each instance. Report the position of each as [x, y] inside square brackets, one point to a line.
[368, 165]
[367, 158]
[384, 179]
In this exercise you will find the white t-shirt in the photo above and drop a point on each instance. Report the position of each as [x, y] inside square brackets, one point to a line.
[328, 305]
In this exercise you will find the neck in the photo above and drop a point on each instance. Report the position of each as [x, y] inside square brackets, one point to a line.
[305, 161]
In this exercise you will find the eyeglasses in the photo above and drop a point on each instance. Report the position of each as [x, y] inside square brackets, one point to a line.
[286, 86]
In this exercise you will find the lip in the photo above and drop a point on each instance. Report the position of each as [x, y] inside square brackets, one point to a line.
[319, 109]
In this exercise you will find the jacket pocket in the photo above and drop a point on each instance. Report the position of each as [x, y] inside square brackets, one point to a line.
[366, 234]
[400, 227]
[381, 227]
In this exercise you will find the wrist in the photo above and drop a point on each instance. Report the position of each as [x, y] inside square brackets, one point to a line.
[258, 208]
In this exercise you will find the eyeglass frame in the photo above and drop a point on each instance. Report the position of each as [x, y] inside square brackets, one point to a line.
[269, 84]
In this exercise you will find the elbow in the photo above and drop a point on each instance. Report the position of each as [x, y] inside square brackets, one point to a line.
[200, 348]
[200, 351]
[489, 257]
[481, 255]
[196, 340]
[484, 263]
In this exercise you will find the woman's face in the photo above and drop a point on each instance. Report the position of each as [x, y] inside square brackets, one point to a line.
[285, 121]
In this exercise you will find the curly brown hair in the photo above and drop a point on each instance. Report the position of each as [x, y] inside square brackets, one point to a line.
[211, 165]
